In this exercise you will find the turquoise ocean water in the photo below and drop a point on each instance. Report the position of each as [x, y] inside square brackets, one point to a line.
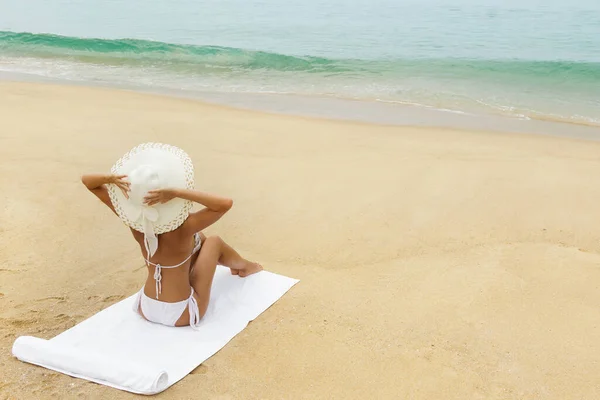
[525, 59]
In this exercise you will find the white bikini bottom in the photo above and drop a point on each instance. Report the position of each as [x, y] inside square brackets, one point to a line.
[164, 313]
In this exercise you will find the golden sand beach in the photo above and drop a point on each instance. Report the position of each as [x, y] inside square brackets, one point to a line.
[434, 263]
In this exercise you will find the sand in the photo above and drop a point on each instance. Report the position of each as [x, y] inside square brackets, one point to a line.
[434, 263]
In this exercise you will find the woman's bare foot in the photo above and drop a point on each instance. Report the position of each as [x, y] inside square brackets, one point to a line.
[250, 269]
[234, 271]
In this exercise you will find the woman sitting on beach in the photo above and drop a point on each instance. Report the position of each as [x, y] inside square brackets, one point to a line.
[151, 190]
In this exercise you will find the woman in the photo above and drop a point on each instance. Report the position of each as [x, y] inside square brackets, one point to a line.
[151, 190]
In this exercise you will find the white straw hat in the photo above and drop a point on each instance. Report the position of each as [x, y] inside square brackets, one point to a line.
[152, 166]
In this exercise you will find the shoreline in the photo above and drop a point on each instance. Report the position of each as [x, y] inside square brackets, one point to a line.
[341, 109]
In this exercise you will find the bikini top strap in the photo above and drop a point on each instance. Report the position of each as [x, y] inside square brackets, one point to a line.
[158, 268]
[197, 245]
[170, 266]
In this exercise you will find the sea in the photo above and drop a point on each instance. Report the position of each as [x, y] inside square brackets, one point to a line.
[516, 59]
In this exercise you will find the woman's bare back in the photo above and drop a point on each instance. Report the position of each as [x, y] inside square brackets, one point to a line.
[173, 248]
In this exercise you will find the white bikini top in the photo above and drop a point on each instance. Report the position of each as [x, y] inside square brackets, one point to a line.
[158, 267]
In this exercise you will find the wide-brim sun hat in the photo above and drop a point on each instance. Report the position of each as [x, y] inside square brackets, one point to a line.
[152, 166]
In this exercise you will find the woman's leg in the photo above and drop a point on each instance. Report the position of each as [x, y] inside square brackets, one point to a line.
[195, 257]
[215, 251]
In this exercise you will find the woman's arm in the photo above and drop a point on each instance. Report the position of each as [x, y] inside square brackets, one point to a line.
[216, 206]
[210, 201]
[95, 181]
[96, 184]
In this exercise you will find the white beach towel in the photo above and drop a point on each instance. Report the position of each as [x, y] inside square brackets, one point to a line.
[118, 348]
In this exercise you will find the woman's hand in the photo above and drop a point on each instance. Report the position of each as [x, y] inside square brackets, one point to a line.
[159, 196]
[120, 182]
[96, 181]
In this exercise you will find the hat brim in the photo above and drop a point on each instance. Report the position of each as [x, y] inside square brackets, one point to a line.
[180, 170]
